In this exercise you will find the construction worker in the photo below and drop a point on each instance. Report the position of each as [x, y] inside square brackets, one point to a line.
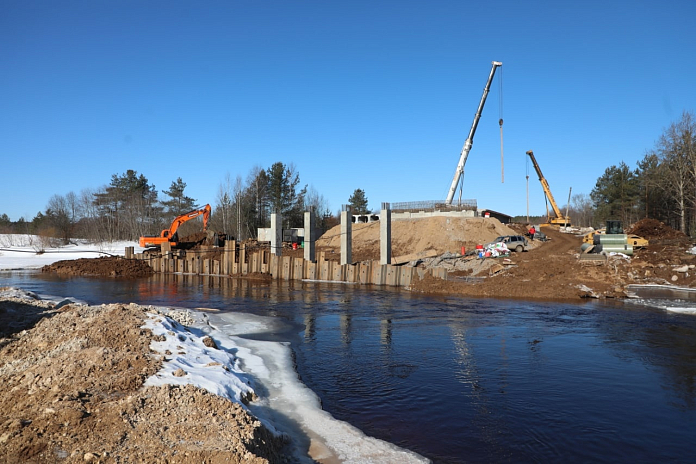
[532, 231]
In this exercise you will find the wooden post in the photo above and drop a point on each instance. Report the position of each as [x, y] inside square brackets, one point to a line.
[287, 268]
[311, 271]
[234, 269]
[243, 265]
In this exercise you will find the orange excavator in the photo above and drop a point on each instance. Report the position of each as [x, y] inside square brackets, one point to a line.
[170, 235]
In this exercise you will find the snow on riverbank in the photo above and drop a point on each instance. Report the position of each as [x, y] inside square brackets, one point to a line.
[241, 369]
[264, 369]
[22, 251]
[219, 352]
[193, 358]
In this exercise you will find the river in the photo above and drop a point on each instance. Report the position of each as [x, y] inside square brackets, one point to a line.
[463, 380]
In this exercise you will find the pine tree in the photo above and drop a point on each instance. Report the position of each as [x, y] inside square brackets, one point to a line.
[128, 207]
[179, 203]
[358, 202]
[283, 195]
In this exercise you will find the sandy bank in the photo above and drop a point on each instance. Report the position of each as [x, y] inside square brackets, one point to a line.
[73, 391]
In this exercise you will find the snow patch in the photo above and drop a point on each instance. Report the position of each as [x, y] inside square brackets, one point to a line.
[188, 360]
[21, 251]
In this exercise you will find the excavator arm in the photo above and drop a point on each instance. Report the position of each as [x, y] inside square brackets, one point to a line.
[169, 235]
[205, 211]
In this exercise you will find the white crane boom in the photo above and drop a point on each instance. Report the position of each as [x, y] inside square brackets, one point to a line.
[470, 139]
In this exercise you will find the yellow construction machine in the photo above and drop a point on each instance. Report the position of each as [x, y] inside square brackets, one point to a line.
[559, 219]
[631, 239]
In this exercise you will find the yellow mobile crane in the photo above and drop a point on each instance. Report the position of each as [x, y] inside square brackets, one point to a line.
[559, 220]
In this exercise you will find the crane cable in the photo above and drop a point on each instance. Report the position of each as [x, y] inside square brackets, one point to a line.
[500, 122]
[527, 173]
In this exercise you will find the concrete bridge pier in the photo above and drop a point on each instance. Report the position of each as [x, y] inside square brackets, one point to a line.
[310, 236]
[276, 234]
[385, 234]
[346, 235]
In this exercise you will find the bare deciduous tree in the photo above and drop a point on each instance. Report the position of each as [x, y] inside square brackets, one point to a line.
[677, 156]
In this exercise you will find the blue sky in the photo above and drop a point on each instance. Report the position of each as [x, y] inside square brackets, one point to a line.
[361, 94]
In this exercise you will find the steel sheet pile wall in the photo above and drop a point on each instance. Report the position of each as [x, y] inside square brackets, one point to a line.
[237, 261]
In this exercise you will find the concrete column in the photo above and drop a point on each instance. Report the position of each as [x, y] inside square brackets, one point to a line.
[385, 234]
[276, 234]
[309, 235]
[346, 235]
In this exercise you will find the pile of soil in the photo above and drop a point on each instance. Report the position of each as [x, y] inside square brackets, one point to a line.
[652, 229]
[552, 271]
[73, 392]
[112, 266]
[193, 240]
[440, 234]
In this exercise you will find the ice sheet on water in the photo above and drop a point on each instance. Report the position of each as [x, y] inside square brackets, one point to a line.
[287, 401]
[12, 292]
[676, 305]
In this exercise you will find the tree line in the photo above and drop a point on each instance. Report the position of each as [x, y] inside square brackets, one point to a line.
[662, 186]
[242, 206]
[130, 206]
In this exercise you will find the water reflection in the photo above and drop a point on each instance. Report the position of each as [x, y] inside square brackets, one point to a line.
[665, 341]
[385, 333]
[455, 379]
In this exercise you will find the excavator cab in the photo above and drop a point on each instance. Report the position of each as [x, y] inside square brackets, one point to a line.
[614, 227]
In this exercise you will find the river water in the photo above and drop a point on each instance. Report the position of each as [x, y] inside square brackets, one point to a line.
[464, 380]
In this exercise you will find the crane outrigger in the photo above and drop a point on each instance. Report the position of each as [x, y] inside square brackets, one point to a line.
[470, 139]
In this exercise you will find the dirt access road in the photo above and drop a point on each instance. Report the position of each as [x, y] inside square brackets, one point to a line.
[552, 271]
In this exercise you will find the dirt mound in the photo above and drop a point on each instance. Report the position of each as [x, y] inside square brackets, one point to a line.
[440, 234]
[552, 271]
[193, 240]
[73, 392]
[652, 229]
[113, 266]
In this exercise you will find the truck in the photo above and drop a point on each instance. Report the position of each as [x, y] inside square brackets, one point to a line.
[170, 235]
[559, 218]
